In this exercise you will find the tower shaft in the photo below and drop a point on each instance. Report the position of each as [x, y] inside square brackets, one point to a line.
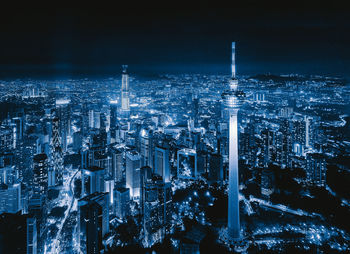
[233, 99]
[233, 198]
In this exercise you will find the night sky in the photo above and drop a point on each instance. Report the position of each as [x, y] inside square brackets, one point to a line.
[176, 36]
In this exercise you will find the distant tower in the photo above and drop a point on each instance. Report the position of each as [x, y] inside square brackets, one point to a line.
[233, 99]
[125, 101]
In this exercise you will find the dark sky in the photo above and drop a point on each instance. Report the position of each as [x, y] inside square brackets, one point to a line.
[177, 36]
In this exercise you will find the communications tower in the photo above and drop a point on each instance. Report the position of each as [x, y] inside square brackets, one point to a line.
[233, 99]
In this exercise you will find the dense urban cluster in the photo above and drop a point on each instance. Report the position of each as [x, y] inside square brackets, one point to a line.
[137, 164]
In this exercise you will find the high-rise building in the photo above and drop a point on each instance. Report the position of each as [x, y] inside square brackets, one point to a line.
[63, 112]
[8, 174]
[91, 119]
[146, 149]
[122, 200]
[308, 121]
[84, 118]
[216, 173]
[19, 125]
[113, 125]
[77, 141]
[162, 163]
[10, 198]
[156, 202]
[195, 108]
[284, 144]
[40, 178]
[232, 99]
[56, 160]
[299, 130]
[92, 180]
[268, 147]
[316, 168]
[113, 113]
[93, 217]
[6, 138]
[133, 174]
[32, 236]
[97, 156]
[109, 188]
[202, 162]
[18, 234]
[117, 165]
[6, 159]
[97, 119]
[103, 160]
[125, 100]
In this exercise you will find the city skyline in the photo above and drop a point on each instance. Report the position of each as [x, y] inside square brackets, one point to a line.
[197, 128]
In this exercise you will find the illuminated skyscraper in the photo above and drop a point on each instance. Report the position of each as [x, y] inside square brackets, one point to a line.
[109, 189]
[162, 163]
[91, 118]
[316, 168]
[40, 179]
[63, 112]
[268, 146]
[133, 164]
[125, 101]
[113, 113]
[10, 198]
[156, 202]
[117, 165]
[56, 167]
[19, 124]
[97, 119]
[92, 180]
[232, 99]
[146, 149]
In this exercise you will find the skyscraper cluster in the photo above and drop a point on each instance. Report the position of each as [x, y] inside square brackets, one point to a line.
[182, 162]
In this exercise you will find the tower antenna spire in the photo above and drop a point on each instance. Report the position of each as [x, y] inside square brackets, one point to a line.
[233, 63]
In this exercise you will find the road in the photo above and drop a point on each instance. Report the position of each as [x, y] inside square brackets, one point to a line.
[56, 242]
[283, 208]
[344, 201]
